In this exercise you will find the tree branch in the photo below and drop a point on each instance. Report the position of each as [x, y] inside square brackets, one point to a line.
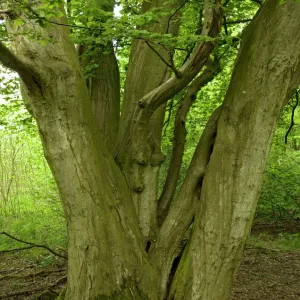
[237, 22]
[16, 249]
[11, 61]
[259, 2]
[174, 13]
[33, 244]
[211, 28]
[182, 209]
[170, 65]
[180, 138]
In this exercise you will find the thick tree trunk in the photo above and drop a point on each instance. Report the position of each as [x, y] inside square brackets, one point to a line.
[105, 248]
[103, 81]
[146, 72]
[266, 72]
[105, 96]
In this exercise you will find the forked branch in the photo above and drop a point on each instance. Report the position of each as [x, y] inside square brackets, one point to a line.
[182, 210]
[199, 57]
[180, 137]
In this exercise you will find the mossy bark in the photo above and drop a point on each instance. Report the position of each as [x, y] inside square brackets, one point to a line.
[266, 73]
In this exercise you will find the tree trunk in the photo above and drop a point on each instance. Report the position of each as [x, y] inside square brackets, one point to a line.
[266, 73]
[103, 81]
[105, 247]
[146, 72]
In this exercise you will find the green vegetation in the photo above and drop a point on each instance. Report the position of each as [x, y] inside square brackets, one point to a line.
[282, 242]
[29, 208]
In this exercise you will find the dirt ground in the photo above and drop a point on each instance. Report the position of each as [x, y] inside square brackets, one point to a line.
[21, 279]
[263, 274]
[269, 275]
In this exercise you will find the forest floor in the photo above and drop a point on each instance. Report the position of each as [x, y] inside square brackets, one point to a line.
[264, 274]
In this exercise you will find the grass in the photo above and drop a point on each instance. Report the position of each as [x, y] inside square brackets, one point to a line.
[40, 223]
[283, 241]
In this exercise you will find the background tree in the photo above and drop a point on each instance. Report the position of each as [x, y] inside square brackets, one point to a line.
[122, 242]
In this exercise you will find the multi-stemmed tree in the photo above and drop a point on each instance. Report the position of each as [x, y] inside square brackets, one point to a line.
[125, 241]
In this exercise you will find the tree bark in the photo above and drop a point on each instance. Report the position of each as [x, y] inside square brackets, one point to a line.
[105, 248]
[266, 73]
[146, 72]
[137, 141]
[104, 88]
[103, 81]
[171, 181]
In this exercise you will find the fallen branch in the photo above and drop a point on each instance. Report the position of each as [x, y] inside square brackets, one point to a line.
[34, 245]
[16, 249]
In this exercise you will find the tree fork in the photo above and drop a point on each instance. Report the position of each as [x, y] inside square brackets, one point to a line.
[166, 197]
[182, 210]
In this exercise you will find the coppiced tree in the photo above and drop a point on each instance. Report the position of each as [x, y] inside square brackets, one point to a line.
[125, 241]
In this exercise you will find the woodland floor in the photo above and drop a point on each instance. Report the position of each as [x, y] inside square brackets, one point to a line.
[264, 274]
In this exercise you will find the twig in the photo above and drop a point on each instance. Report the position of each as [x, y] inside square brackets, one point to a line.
[237, 21]
[174, 13]
[34, 245]
[292, 117]
[31, 274]
[166, 124]
[259, 2]
[43, 19]
[225, 25]
[170, 65]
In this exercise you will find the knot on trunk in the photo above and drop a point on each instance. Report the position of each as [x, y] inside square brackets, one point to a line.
[157, 158]
[142, 155]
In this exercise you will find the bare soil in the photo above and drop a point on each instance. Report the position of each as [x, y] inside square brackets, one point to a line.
[268, 274]
[22, 279]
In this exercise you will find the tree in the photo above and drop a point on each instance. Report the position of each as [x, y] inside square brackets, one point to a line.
[122, 242]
